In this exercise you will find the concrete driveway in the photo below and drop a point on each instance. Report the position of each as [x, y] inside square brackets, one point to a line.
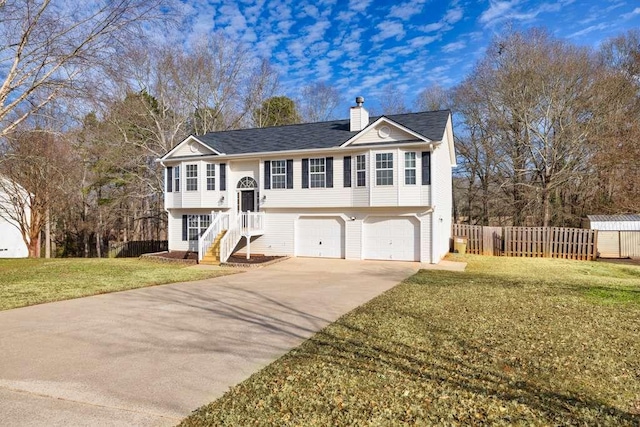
[150, 356]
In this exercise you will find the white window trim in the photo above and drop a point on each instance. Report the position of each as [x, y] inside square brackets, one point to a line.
[283, 175]
[414, 168]
[211, 167]
[201, 225]
[323, 173]
[176, 179]
[384, 169]
[191, 179]
[363, 170]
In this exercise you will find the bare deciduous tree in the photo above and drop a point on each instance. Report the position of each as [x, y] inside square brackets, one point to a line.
[318, 102]
[49, 47]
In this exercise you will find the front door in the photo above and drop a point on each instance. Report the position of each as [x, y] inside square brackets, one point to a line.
[247, 201]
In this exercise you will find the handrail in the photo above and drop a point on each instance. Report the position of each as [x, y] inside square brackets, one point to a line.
[230, 240]
[252, 222]
[246, 224]
[219, 222]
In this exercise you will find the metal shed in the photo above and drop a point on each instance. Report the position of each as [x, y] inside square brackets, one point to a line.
[618, 235]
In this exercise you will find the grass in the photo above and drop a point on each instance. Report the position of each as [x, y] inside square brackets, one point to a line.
[509, 341]
[26, 282]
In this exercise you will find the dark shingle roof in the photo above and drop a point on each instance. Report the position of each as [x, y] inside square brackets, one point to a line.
[330, 134]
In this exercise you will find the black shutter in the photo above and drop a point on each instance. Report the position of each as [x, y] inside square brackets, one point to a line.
[290, 173]
[305, 173]
[346, 163]
[223, 176]
[169, 179]
[329, 171]
[184, 227]
[267, 174]
[426, 168]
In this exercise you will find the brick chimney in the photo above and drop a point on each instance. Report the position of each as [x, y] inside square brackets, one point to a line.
[359, 117]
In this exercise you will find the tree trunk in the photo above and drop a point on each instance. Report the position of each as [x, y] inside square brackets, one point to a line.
[47, 234]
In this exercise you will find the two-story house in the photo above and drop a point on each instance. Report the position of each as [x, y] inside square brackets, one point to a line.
[364, 188]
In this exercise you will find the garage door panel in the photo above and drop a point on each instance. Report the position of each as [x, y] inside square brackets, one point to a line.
[320, 237]
[392, 238]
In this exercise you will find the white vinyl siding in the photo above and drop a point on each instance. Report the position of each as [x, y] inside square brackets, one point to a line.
[192, 177]
[278, 174]
[384, 169]
[410, 168]
[361, 170]
[317, 169]
[211, 177]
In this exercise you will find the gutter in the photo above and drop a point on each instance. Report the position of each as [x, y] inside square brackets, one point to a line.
[348, 149]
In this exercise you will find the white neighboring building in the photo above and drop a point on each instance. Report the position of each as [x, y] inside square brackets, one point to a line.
[624, 222]
[11, 243]
[362, 188]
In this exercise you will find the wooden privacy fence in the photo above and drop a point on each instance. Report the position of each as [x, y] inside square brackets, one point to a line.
[550, 242]
[136, 248]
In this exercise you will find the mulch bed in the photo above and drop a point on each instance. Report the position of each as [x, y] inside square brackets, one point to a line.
[253, 259]
[177, 255]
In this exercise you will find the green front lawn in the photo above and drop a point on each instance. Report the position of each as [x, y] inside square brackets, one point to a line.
[34, 281]
[509, 341]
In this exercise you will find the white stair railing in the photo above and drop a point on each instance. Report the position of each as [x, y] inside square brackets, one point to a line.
[219, 222]
[253, 222]
[231, 239]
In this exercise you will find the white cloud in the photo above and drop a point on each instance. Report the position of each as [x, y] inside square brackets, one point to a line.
[588, 30]
[422, 41]
[453, 15]
[404, 11]
[359, 5]
[389, 29]
[452, 47]
[500, 11]
[432, 27]
[631, 14]
[497, 11]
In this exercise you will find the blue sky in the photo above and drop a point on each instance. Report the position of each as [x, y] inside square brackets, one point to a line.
[359, 46]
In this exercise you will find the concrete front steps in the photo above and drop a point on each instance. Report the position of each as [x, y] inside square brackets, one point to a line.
[212, 257]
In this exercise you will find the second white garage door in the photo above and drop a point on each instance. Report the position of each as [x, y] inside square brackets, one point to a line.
[320, 237]
[395, 238]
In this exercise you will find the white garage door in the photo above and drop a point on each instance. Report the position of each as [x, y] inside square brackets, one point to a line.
[392, 239]
[320, 237]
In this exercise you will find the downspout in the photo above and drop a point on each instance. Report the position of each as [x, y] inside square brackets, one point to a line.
[433, 206]
[164, 187]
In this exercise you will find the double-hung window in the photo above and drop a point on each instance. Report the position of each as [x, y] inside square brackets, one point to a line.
[197, 225]
[176, 178]
[410, 168]
[384, 169]
[317, 173]
[361, 171]
[278, 174]
[211, 176]
[192, 177]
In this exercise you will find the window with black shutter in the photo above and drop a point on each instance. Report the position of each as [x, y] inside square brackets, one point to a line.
[223, 177]
[305, 173]
[426, 168]
[346, 163]
[289, 173]
[267, 174]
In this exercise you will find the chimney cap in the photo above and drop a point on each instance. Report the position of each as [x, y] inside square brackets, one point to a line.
[359, 101]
